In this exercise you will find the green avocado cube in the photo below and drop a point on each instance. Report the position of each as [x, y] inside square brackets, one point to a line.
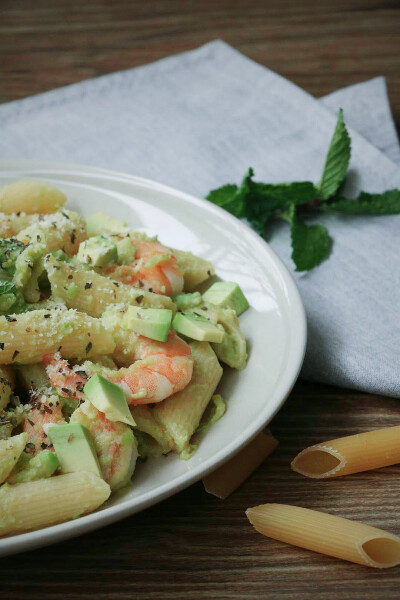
[126, 251]
[74, 448]
[97, 251]
[197, 328]
[187, 301]
[101, 222]
[227, 294]
[153, 323]
[109, 398]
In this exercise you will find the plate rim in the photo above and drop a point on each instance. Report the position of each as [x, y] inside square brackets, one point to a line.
[98, 519]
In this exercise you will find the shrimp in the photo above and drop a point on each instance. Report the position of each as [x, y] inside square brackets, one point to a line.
[157, 370]
[115, 444]
[155, 269]
[67, 382]
[43, 410]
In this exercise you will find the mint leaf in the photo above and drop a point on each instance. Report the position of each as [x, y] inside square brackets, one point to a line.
[337, 160]
[387, 203]
[229, 198]
[310, 244]
[285, 194]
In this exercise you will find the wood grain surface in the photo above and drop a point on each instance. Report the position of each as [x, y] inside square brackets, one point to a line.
[193, 545]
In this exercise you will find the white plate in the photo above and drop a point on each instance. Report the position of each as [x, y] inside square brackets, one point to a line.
[274, 326]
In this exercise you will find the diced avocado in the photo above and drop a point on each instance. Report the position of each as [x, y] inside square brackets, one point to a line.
[60, 255]
[74, 448]
[100, 222]
[126, 251]
[109, 398]
[227, 294]
[31, 468]
[153, 323]
[97, 251]
[186, 301]
[197, 327]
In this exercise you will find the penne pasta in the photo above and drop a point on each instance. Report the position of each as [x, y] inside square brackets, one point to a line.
[64, 230]
[6, 385]
[145, 420]
[92, 293]
[25, 338]
[12, 224]
[350, 454]
[30, 197]
[10, 451]
[32, 377]
[227, 478]
[180, 414]
[195, 270]
[27, 506]
[327, 534]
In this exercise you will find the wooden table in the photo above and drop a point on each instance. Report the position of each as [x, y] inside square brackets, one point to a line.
[193, 545]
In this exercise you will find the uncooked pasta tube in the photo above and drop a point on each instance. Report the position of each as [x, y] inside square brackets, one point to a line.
[328, 534]
[351, 454]
[227, 478]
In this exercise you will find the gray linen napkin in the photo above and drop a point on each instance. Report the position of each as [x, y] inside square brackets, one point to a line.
[200, 119]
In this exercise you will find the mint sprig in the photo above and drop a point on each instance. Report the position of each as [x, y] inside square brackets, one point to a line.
[261, 203]
[337, 161]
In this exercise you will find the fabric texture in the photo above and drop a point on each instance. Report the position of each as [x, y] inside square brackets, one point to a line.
[201, 119]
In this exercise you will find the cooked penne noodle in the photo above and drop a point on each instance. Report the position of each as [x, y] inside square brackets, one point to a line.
[350, 454]
[145, 420]
[64, 229]
[180, 414]
[327, 534]
[30, 197]
[27, 506]
[94, 292]
[224, 480]
[12, 224]
[7, 382]
[25, 338]
[195, 270]
[32, 377]
[10, 451]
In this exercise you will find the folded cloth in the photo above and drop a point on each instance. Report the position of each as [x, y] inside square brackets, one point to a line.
[201, 119]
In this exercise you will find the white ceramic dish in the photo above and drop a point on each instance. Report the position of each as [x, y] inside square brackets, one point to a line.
[274, 326]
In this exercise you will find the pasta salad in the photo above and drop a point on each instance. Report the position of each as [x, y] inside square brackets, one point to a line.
[109, 355]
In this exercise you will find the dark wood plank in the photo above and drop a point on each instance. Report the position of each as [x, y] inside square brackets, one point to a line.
[194, 545]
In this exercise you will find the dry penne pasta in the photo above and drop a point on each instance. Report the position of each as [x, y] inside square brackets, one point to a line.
[224, 480]
[28, 506]
[10, 451]
[30, 197]
[181, 413]
[92, 293]
[350, 454]
[195, 269]
[25, 338]
[327, 534]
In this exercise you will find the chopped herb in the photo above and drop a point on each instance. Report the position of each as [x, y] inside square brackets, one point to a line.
[16, 352]
[88, 285]
[47, 316]
[89, 347]
[65, 215]
[1, 345]
[139, 299]
[141, 284]
[43, 445]
[70, 276]
[29, 444]
[10, 319]
[67, 391]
